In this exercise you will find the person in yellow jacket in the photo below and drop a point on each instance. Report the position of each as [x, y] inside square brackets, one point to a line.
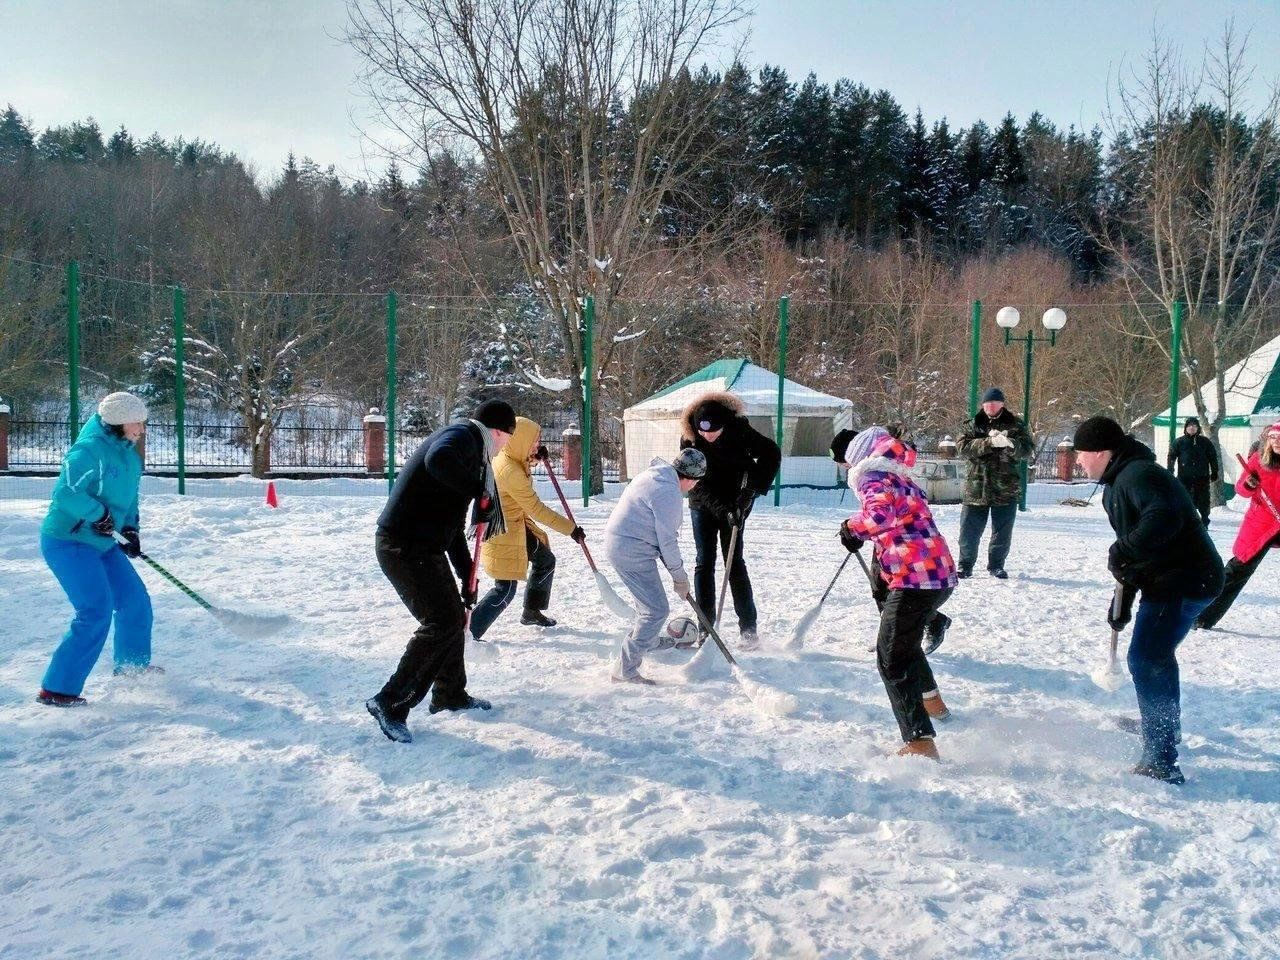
[524, 551]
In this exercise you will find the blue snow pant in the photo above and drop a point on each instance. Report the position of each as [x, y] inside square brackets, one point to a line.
[1158, 627]
[99, 585]
[537, 594]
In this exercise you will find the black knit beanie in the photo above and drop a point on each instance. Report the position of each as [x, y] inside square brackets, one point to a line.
[496, 415]
[712, 415]
[840, 443]
[1097, 434]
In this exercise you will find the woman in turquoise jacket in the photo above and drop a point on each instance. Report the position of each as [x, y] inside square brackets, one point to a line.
[96, 497]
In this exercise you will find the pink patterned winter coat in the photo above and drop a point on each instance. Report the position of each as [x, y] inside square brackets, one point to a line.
[895, 515]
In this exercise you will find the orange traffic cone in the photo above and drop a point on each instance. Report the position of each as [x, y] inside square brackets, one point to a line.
[271, 494]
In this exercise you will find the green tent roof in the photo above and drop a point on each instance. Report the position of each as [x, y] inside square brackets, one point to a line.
[728, 370]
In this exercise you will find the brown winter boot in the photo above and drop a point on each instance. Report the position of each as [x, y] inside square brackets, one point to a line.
[922, 747]
[935, 708]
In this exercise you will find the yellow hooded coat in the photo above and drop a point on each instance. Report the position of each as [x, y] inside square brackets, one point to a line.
[506, 557]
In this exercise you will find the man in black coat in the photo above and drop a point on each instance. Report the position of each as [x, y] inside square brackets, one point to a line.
[1162, 551]
[422, 523]
[1197, 465]
[741, 465]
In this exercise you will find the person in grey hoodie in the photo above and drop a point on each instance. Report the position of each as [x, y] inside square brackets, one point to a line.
[643, 529]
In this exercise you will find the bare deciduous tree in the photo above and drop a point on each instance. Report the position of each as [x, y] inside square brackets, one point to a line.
[587, 116]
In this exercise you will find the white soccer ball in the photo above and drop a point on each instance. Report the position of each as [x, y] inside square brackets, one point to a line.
[682, 629]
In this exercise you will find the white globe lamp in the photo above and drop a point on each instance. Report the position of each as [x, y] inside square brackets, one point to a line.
[1008, 317]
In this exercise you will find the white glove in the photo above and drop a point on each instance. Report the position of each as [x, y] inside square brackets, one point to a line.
[1000, 439]
[681, 587]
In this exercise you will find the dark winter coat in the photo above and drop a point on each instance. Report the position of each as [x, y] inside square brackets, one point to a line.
[1195, 457]
[427, 509]
[993, 478]
[1162, 547]
[739, 452]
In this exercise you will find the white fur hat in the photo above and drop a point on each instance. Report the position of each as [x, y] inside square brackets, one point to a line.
[120, 408]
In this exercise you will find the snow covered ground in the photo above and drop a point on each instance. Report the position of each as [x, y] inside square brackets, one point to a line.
[245, 805]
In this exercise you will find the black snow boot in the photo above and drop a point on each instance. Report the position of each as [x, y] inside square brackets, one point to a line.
[468, 703]
[936, 632]
[536, 618]
[1169, 774]
[999, 573]
[963, 572]
[394, 729]
[51, 699]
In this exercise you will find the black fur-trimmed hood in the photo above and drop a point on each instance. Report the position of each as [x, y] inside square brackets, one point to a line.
[732, 404]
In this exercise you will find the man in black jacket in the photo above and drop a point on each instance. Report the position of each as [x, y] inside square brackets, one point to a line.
[1162, 551]
[1197, 464]
[422, 523]
[741, 465]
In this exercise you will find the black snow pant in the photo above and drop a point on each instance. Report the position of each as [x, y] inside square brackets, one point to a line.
[1199, 490]
[938, 623]
[708, 529]
[973, 521]
[434, 655]
[537, 594]
[903, 666]
[1238, 575]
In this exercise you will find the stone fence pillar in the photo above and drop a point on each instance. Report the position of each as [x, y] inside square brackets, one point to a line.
[375, 443]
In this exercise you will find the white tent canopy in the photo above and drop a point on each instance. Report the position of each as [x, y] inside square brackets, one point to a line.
[810, 419]
[1252, 404]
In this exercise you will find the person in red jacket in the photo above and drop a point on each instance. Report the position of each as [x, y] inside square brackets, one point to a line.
[1260, 530]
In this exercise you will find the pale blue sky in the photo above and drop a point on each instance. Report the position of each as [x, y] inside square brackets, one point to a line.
[261, 77]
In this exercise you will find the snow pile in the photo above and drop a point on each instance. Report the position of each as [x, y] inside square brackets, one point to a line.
[245, 805]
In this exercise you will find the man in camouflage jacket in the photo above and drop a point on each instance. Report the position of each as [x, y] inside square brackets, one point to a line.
[994, 443]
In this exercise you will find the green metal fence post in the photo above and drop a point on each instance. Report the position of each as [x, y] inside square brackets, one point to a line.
[975, 341]
[180, 382]
[1175, 369]
[784, 323]
[391, 389]
[73, 347]
[588, 394]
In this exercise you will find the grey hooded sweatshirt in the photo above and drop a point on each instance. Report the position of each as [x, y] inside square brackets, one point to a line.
[645, 525]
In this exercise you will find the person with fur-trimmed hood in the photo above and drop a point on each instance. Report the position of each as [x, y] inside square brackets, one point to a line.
[741, 465]
[918, 574]
[1260, 529]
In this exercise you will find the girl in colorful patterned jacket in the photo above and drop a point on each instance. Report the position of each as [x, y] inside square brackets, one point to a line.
[1260, 530]
[916, 569]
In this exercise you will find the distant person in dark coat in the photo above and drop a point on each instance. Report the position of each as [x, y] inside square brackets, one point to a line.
[1162, 551]
[422, 523]
[741, 465]
[1196, 462]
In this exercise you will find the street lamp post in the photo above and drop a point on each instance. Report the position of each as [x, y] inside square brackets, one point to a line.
[1008, 318]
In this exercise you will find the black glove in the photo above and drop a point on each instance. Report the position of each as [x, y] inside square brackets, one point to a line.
[578, 535]
[1117, 565]
[852, 542]
[542, 453]
[104, 526]
[469, 593]
[134, 546]
[1118, 620]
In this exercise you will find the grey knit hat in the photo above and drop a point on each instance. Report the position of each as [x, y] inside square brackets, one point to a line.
[690, 464]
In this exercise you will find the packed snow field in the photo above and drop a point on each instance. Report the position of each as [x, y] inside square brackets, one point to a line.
[245, 805]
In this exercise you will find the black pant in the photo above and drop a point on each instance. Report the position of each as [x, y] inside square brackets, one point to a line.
[537, 594]
[435, 652]
[1238, 575]
[880, 593]
[903, 666]
[1199, 490]
[973, 521]
[708, 529]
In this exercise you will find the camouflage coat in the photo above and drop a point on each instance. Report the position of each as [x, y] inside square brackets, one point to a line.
[993, 471]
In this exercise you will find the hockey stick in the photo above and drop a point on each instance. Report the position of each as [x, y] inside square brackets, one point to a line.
[767, 699]
[608, 597]
[728, 565]
[248, 625]
[1110, 677]
[1260, 494]
[802, 626]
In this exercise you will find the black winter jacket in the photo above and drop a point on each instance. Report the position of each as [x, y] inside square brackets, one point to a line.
[1195, 456]
[740, 451]
[427, 509]
[1161, 545]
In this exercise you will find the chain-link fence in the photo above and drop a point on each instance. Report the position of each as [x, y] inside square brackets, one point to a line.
[302, 384]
